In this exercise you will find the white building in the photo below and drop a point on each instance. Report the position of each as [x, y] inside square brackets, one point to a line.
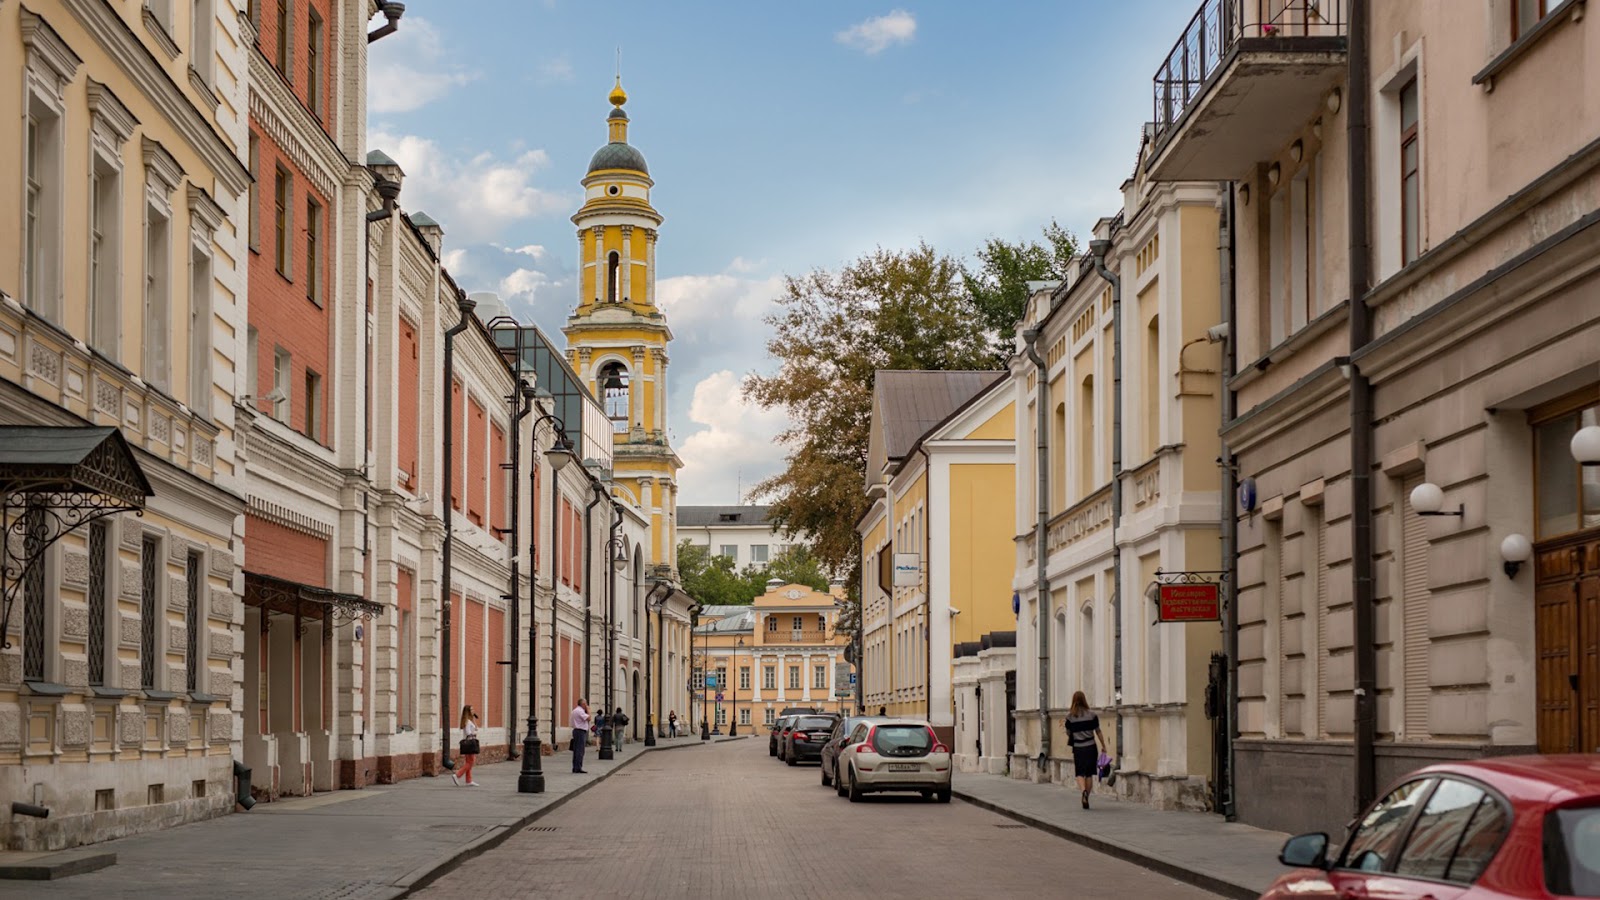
[741, 533]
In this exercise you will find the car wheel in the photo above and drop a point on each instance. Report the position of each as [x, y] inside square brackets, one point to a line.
[944, 795]
[927, 795]
[789, 758]
[826, 781]
[855, 793]
[771, 750]
[838, 781]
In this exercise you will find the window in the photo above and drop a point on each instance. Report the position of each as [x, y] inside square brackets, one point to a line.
[1438, 847]
[99, 585]
[313, 428]
[722, 678]
[767, 715]
[1410, 179]
[1567, 494]
[252, 362]
[1377, 837]
[313, 262]
[698, 680]
[744, 716]
[254, 196]
[33, 595]
[282, 191]
[1526, 13]
[191, 652]
[799, 622]
[722, 715]
[284, 21]
[314, 64]
[758, 554]
[200, 332]
[613, 280]
[731, 551]
[282, 369]
[772, 623]
[105, 253]
[149, 605]
[744, 678]
[202, 16]
[769, 680]
[794, 677]
[42, 212]
[819, 676]
[157, 295]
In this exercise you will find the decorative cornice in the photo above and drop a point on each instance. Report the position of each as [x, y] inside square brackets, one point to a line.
[107, 109]
[160, 166]
[159, 32]
[288, 518]
[42, 40]
[293, 128]
[198, 82]
[205, 210]
[112, 33]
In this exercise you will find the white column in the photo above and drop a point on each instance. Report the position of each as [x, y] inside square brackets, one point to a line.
[602, 269]
[805, 678]
[755, 680]
[625, 270]
[636, 389]
[650, 266]
[833, 667]
[658, 356]
[782, 682]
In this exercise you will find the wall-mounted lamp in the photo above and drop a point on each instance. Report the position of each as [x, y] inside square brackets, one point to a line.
[1297, 151]
[1514, 551]
[1244, 195]
[1274, 173]
[1427, 499]
[1335, 99]
[1346, 369]
[1586, 446]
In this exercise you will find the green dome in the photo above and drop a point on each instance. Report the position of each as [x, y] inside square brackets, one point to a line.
[618, 155]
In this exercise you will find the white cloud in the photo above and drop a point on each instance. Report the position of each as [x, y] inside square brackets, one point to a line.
[412, 69]
[453, 259]
[692, 300]
[552, 71]
[536, 252]
[524, 281]
[474, 197]
[735, 446]
[876, 34]
[745, 266]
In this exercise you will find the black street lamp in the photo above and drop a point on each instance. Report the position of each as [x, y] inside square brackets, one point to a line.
[521, 401]
[650, 733]
[530, 780]
[705, 654]
[465, 304]
[733, 729]
[608, 735]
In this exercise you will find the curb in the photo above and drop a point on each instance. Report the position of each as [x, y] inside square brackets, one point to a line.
[424, 875]
[1123, 852]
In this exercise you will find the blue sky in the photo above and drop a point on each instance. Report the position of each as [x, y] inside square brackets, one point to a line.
[782, 138]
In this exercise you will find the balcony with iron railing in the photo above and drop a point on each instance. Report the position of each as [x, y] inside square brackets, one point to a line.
[796, 636]
[1245, 76]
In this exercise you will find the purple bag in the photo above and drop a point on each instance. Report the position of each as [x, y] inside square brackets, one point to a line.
[1106, 773]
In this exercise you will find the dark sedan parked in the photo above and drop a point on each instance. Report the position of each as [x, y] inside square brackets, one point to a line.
[804, 739]
[828, 757]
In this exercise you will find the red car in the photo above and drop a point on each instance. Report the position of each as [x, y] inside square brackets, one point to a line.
[1512, 826]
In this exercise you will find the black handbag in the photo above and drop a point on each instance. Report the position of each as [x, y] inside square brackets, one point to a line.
[469, 746]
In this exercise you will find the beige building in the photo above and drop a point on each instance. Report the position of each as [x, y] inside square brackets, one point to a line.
[122, 274]
[1410, 363]
[1131, 495]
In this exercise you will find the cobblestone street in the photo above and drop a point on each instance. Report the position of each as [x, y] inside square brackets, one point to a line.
[728, 821]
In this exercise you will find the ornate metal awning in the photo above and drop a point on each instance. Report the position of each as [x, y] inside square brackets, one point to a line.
[53, 479]
[280, 595]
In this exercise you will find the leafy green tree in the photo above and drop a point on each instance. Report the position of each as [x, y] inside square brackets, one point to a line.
[710, 578]
[794, 565]
[999, 285]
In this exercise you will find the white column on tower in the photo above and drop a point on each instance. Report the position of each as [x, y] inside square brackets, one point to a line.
[583, 253]
[636, 387]
[658, 357]
[602, 269]
[625, 270]
[650, 266]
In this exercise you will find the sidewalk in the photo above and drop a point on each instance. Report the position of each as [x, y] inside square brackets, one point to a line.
[1197, 848]
[380, 842]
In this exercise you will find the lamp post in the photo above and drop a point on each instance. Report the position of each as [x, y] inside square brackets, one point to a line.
[733, 726]
[608, 737]
[649, 685]
[465, 304]
[530, 780]
[521, 401]
[705, 695]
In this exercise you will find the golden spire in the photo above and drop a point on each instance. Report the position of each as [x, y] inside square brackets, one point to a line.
[618, 95]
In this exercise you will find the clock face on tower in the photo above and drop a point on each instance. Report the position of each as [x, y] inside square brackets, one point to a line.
[794, 594]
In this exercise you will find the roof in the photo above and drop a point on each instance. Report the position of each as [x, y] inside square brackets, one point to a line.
[380, 158]
[423, 220]
[618, 155]
[743, 620]
[910, 403]
[712, 516]
[72, 460]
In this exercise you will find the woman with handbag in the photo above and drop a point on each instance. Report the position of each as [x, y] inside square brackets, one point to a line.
[469, 746]
[1084, 734]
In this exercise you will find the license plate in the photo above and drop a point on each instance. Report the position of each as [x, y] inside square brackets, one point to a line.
[904, 767]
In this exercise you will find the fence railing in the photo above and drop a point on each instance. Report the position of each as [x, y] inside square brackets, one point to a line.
[1214, 31]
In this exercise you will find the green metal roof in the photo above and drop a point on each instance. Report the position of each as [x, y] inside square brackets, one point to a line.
[618, 155]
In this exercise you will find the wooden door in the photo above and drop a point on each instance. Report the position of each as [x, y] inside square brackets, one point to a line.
[1567, 634]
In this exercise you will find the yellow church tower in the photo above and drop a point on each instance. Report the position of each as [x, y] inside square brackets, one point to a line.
[617, 338]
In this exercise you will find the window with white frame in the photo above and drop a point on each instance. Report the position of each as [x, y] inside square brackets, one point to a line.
[794, 677]
[110, 128]
[202, 24]
[769, 678]
[768, 716]
[157, 295]
[731, 551]
[41, 240]
[758, 554]
[282, 386]
[200, 330]
[161, 12]
[819, 676]
[744, 678]
[744, 715]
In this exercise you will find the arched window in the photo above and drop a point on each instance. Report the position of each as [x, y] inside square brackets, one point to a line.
[613, 279]
[614, 394]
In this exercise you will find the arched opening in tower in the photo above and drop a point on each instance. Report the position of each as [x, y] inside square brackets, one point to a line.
[614, 278]
[614, 392]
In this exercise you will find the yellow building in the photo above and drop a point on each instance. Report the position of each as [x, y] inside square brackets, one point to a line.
[783, 650]
[121, 283]
[936, 543]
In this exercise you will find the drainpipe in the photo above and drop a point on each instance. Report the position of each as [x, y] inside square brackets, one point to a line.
[466, 305]
[588, 586]
[1099, 250]
[391, 11]
[1361, 420]
[1030, 336]
[524, 393]
[1226, 797]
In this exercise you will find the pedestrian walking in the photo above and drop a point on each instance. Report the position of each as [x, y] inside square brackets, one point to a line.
[672, 723]
[619, 725]
[468, 747]
[580, 735]
[1087, 740]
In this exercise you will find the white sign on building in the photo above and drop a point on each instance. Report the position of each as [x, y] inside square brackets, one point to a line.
[907, 569]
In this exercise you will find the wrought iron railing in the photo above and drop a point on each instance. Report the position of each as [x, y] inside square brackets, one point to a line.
[1217, 28]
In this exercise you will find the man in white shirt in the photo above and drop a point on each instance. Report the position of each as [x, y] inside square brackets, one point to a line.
[580, 735]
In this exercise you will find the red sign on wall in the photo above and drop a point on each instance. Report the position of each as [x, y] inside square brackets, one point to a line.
[1190, 603]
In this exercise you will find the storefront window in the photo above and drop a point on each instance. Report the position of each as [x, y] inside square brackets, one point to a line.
[1568, 494]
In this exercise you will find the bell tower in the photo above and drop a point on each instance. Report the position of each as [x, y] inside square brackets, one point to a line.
[617, 337]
